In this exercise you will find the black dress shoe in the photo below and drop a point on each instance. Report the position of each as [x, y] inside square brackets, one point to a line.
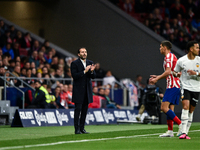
[84, 132]
[78, 132]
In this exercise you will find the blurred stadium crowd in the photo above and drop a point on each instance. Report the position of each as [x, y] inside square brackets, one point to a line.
[176, 20]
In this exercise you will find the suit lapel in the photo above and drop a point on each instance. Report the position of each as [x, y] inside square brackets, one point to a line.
[80, 62]
[87, 62]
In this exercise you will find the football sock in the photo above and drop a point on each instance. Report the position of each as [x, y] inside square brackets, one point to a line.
[170, 124]
[184, 119]
[172, 115]
[190, 118]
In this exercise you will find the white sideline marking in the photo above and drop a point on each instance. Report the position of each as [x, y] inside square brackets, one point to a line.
[79, 141]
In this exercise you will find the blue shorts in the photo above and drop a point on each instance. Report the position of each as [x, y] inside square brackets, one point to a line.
[172, 95]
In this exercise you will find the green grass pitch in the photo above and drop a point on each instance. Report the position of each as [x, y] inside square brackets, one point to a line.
[101, 137]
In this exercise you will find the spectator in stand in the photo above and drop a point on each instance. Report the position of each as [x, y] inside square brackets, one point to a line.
[52, 75]
[39, 75]
[177, 8]
[63, 96]
[43, 49]
[34, 58]
[33, 72]
[68, 62]
[3, 27]
[5, 38]
[110, 103]
[23, 72]
[7, 49]
[16, 49]
[128, 6]
[26, 42]
[41, 96]
[13, 31]
[28, 75]
[95, 90]
[45, 71]
[69, 96]
[12, 65]
[58, 98]
[48, 57]
[47, 79]
[47, 47]
[167, 31]
[196, 36]
[164, 11]
[36, 46]
[190, 15]
[18, 63]
[18, 59]
[29, 95]
[109, 79]
[196, 23]
[190, 5]
[54, 52]
[54, 63]
[41, 57]
[180, 36]
[2, 72]
[18, 38]
[17, 73]
[157, 15]
[5, 60]
[1, 52]
[157, 28]
[32, 65]
[140, 87]
[27, 65]
[151, 21]
[58, 75]
[68, 75]
[180, 19]
[100, 74]
[186, 28]
[175, 24]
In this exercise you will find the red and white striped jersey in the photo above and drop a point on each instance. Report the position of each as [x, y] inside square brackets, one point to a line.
[170, 61]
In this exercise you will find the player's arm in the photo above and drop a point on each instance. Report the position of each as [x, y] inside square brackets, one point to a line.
[176, 74]
[155, 78]
[191, 72]
[177, 69]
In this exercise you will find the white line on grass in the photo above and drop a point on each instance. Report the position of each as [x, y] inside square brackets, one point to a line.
[79, 141]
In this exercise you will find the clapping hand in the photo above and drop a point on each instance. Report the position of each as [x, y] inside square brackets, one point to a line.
[93, 67]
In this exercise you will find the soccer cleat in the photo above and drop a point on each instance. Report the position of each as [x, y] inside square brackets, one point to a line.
[184, 136]
[138, 118]
[167, 134]
[179, 131]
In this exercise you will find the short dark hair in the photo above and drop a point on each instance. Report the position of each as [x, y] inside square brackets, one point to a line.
[190, 44]
[37, 81]
[166, 43]
[80, 48]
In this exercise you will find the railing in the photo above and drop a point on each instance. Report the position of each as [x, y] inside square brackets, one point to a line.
[5, 81]
[125, 89]
[15, 77]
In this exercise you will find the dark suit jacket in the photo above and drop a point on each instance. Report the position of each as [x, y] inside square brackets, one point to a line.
[81, 81]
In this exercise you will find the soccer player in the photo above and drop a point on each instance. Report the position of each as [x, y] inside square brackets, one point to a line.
[172, 93]
[189, 67]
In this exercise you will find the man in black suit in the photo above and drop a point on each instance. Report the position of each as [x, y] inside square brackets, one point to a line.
[82, 71]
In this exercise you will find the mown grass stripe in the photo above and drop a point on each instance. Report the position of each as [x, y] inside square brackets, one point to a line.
[79, 141]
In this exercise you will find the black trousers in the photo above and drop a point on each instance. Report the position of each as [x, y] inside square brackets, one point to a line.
[80, 113]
